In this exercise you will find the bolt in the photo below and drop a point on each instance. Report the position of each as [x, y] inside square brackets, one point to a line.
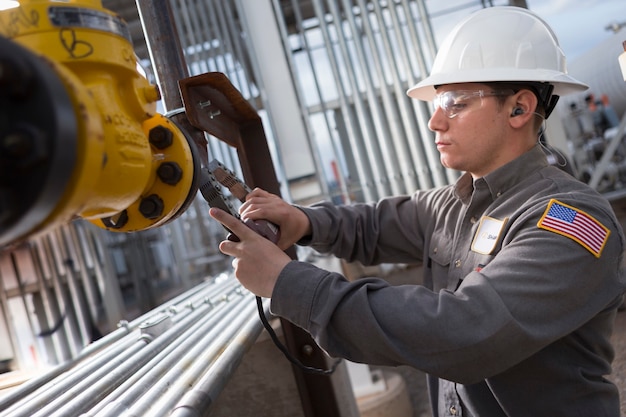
[160, 137]
[204, 104]
[151, 207]
[307, 350]
[117, 221]
[170, 173]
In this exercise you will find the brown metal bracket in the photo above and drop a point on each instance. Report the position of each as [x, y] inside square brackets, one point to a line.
[214, 105]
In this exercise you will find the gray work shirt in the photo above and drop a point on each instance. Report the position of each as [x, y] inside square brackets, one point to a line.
[515, 315]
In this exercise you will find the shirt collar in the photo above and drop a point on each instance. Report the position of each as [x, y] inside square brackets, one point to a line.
[505, 177]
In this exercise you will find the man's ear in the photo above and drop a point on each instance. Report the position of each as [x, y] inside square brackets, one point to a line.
[522, 109]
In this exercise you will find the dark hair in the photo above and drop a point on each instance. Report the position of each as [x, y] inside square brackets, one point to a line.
[546, 101]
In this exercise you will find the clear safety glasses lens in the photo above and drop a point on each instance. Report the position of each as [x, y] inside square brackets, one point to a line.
[456, 101]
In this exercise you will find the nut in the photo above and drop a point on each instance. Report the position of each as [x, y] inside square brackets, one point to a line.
[151, 207]
[170, 173]
[116, 221]
[160, 137]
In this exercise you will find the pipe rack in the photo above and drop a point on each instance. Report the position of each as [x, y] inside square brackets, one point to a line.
[172, 359]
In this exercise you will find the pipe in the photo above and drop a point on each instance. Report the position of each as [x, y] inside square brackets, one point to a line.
[196, 363]
[190, 344]
[90, 382]
[198, 401]
[108, 346]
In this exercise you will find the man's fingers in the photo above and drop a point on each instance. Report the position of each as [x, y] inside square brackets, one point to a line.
[233, 224]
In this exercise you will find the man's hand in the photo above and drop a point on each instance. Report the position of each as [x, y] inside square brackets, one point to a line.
[257, 261]
[293, 223]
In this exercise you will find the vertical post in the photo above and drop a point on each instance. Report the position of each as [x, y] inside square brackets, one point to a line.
[316, 392]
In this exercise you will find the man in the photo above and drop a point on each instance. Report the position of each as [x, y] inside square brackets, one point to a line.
[521, 261]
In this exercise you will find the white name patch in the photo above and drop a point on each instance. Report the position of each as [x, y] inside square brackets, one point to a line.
[487, 235]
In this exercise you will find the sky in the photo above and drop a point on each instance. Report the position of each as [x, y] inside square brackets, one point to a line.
[578, 24]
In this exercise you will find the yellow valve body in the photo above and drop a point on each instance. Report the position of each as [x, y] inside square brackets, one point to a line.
[88, 47]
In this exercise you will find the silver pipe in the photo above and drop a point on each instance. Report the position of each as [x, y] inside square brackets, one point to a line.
[422, 112]
[598, 173]
[69, 255]
[85, 264]
[86, 392]
[216, 17]
[198, 401]
[396, 140]
[138, 384]
[244, 79]
[6, 314]
[411, 149]
[105, 348]
[51, 315]
[358, 154]
[345, 194]
[383, 156]
[313, 150]
[363, 141]
[428, 29]
[104, 274]
[160, 399]
[56, 270]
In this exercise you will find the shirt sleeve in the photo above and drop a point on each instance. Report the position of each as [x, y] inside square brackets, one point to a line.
[539, 288]
[375, 233]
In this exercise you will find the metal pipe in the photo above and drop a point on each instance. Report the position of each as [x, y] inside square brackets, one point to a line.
[69, 256]
[608, 154]
[422, 113]
[197, 402]
[370, 111]
[169, 389]
[159, 346]
[108, 346]
[154, 371]
[56, 271]
[6, 314]
[51, 314]
[86, 392]
[401, 60]
[385, 63]
[361, 138]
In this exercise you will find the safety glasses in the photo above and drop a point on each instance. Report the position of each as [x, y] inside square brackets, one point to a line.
[456, 101]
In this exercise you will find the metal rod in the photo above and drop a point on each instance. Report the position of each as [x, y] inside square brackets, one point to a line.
[161, 399]
[154, 371]
[607, 155]
[198, 400]
[368, 110]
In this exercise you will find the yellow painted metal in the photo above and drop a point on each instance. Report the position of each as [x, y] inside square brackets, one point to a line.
[115, 105]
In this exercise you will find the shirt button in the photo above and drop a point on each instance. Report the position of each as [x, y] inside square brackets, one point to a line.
[457, 263]
[453, 410]
[473, 220]
[435, 250]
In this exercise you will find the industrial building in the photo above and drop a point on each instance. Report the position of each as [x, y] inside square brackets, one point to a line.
[113, 303]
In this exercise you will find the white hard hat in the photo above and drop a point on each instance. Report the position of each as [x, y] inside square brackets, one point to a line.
[502, 43]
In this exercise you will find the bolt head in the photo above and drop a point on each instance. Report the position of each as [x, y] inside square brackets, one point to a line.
[116, 221]
[151, 207]
[160, 137]
[170, 173]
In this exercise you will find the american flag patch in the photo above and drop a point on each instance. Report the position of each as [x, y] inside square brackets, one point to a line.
[575, 224]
